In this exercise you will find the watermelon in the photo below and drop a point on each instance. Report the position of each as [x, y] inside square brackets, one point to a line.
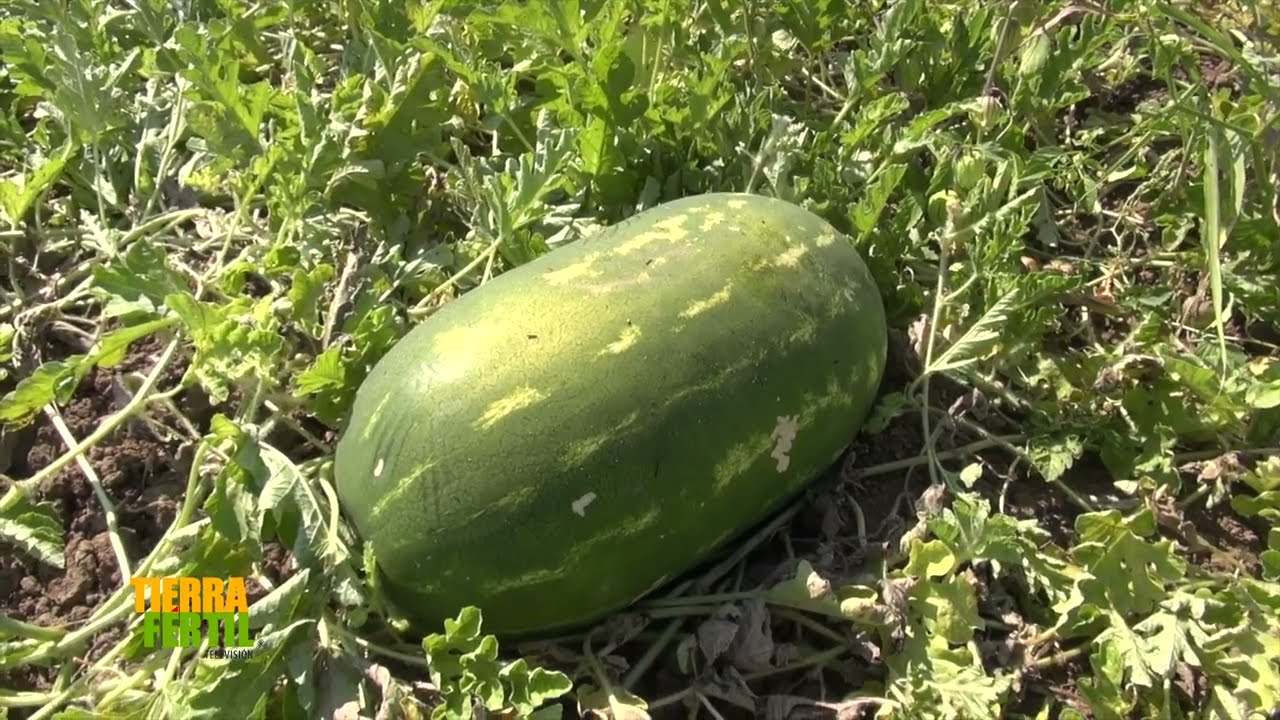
[557, 443]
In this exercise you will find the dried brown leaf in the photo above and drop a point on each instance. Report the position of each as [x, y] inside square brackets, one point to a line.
[716, 634]
[752, 648]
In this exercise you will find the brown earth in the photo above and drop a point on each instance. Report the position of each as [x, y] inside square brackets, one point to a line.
[144, 475]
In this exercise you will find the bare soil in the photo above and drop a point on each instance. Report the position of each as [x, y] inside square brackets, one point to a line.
[142, 475]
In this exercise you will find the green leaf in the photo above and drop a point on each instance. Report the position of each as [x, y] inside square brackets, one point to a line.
[1263, 395]
[531, 689]
[1264, 505]
[620, 704]
[980, 336]
[305, 292]
[1053, 457]
[931, 559]
[233, 342]
[949, 608]
[1131, 571]
[34, 527]
[327, 373]
[139, 279]
[866, 215]
[1265, 477]
[54, 381]
[809, 591]
[231, 507]
[464, 665]
[111, 349]
[19, 195]
[240, 687]
[278, 607]
[1270, 557]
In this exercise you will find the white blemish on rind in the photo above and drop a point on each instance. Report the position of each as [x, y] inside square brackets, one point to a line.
[826, 239]
[713, 219]
[737, 204]
[783, 436]
[377, 469]
[629, 336]
[580, 505]
[518, 399]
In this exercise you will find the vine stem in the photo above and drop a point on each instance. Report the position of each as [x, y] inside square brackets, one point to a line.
[421, 307]
[931, 334]
[108, 507]
[117, 605]
[651, 653]
[343, 633]
[819, 658]
[113, 421]
[12, 626]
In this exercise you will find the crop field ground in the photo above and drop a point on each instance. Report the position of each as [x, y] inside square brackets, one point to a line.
[216, 215]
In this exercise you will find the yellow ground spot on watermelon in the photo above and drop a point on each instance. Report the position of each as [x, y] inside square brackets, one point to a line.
[518, 399]
[580, 505]
[372, 423]
[737, 204]
[826, 238]
[397, 493]
[698, 307]
[630, 334]
[668, 230]
[579, 451]
[711, 220]
[571, 273]
[791, 256]
[783, 437]
[377, 469]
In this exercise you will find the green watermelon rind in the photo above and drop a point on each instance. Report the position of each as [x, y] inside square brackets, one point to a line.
[553, 445]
